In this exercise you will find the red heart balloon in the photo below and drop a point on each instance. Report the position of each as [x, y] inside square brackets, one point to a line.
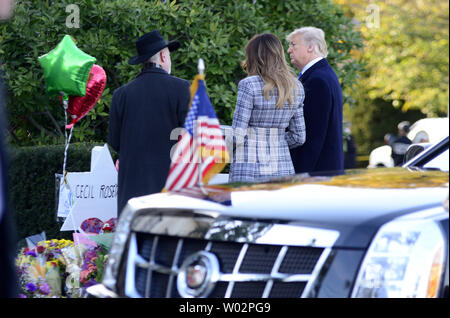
[95, 225]
[79, 106]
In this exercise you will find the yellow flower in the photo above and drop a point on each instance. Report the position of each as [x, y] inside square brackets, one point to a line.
[52, 264]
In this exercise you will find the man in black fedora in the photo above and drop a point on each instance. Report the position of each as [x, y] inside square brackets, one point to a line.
[142, 116]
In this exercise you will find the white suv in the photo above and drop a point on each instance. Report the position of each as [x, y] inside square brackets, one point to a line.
[428, 130]
[364, 233]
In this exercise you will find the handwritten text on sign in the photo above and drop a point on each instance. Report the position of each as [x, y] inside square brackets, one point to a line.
[85, 191]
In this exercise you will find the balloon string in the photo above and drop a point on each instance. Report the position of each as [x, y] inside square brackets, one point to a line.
[67, 139]
[65, 154]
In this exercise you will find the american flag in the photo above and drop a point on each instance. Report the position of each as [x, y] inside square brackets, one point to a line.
[201, 151]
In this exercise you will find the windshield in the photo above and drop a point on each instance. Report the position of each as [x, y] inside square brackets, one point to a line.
[439, 162]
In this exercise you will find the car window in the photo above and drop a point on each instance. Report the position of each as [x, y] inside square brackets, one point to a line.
[421, 136]
[440, 162]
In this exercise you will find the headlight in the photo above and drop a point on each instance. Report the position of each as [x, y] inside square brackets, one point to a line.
[405, 259]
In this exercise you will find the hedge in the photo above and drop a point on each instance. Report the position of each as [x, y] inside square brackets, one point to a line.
[32, 185]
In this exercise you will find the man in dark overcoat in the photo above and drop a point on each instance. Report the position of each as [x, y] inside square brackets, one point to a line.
[143, 114]
[323, 148]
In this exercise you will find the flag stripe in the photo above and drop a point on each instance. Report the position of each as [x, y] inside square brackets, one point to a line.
[193, 178]
[209, 164]
[218, 139]
[182, 172]
[181, 151]
[179, 167]
[187, 173]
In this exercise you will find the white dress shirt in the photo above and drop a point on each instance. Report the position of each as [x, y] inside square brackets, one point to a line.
[311, 63]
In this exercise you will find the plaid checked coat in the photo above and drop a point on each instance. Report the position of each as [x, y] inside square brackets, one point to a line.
[263, 134]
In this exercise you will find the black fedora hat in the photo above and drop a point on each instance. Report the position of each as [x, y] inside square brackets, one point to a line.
[149, 44]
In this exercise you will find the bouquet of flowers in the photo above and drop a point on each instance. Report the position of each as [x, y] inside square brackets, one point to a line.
[72, 257]
[40, 269]
[94, 263]
[59, 268]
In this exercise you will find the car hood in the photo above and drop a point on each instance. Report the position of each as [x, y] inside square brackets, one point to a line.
[356, 203]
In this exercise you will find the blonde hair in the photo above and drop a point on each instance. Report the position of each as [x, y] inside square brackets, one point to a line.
[264, 56]
[314, 36]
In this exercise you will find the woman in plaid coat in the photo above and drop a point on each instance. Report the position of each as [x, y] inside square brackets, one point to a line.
[268, 119]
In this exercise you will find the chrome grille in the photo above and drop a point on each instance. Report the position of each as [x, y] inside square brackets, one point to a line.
[247, 270]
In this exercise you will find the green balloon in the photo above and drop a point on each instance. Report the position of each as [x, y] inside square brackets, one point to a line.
[66, 68]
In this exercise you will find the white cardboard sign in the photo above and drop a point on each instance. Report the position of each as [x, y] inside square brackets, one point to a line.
[94, 193]
[66, 201]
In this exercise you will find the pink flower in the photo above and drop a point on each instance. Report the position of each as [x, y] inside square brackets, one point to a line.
[91, 268]
[84, 276]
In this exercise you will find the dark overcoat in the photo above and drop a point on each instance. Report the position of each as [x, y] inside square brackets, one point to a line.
[323, 148]
[142, 116]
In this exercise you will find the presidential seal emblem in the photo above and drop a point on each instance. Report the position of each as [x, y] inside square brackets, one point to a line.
[198, 275]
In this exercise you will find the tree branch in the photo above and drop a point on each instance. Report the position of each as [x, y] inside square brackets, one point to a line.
[12, 134]
[54, 121]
